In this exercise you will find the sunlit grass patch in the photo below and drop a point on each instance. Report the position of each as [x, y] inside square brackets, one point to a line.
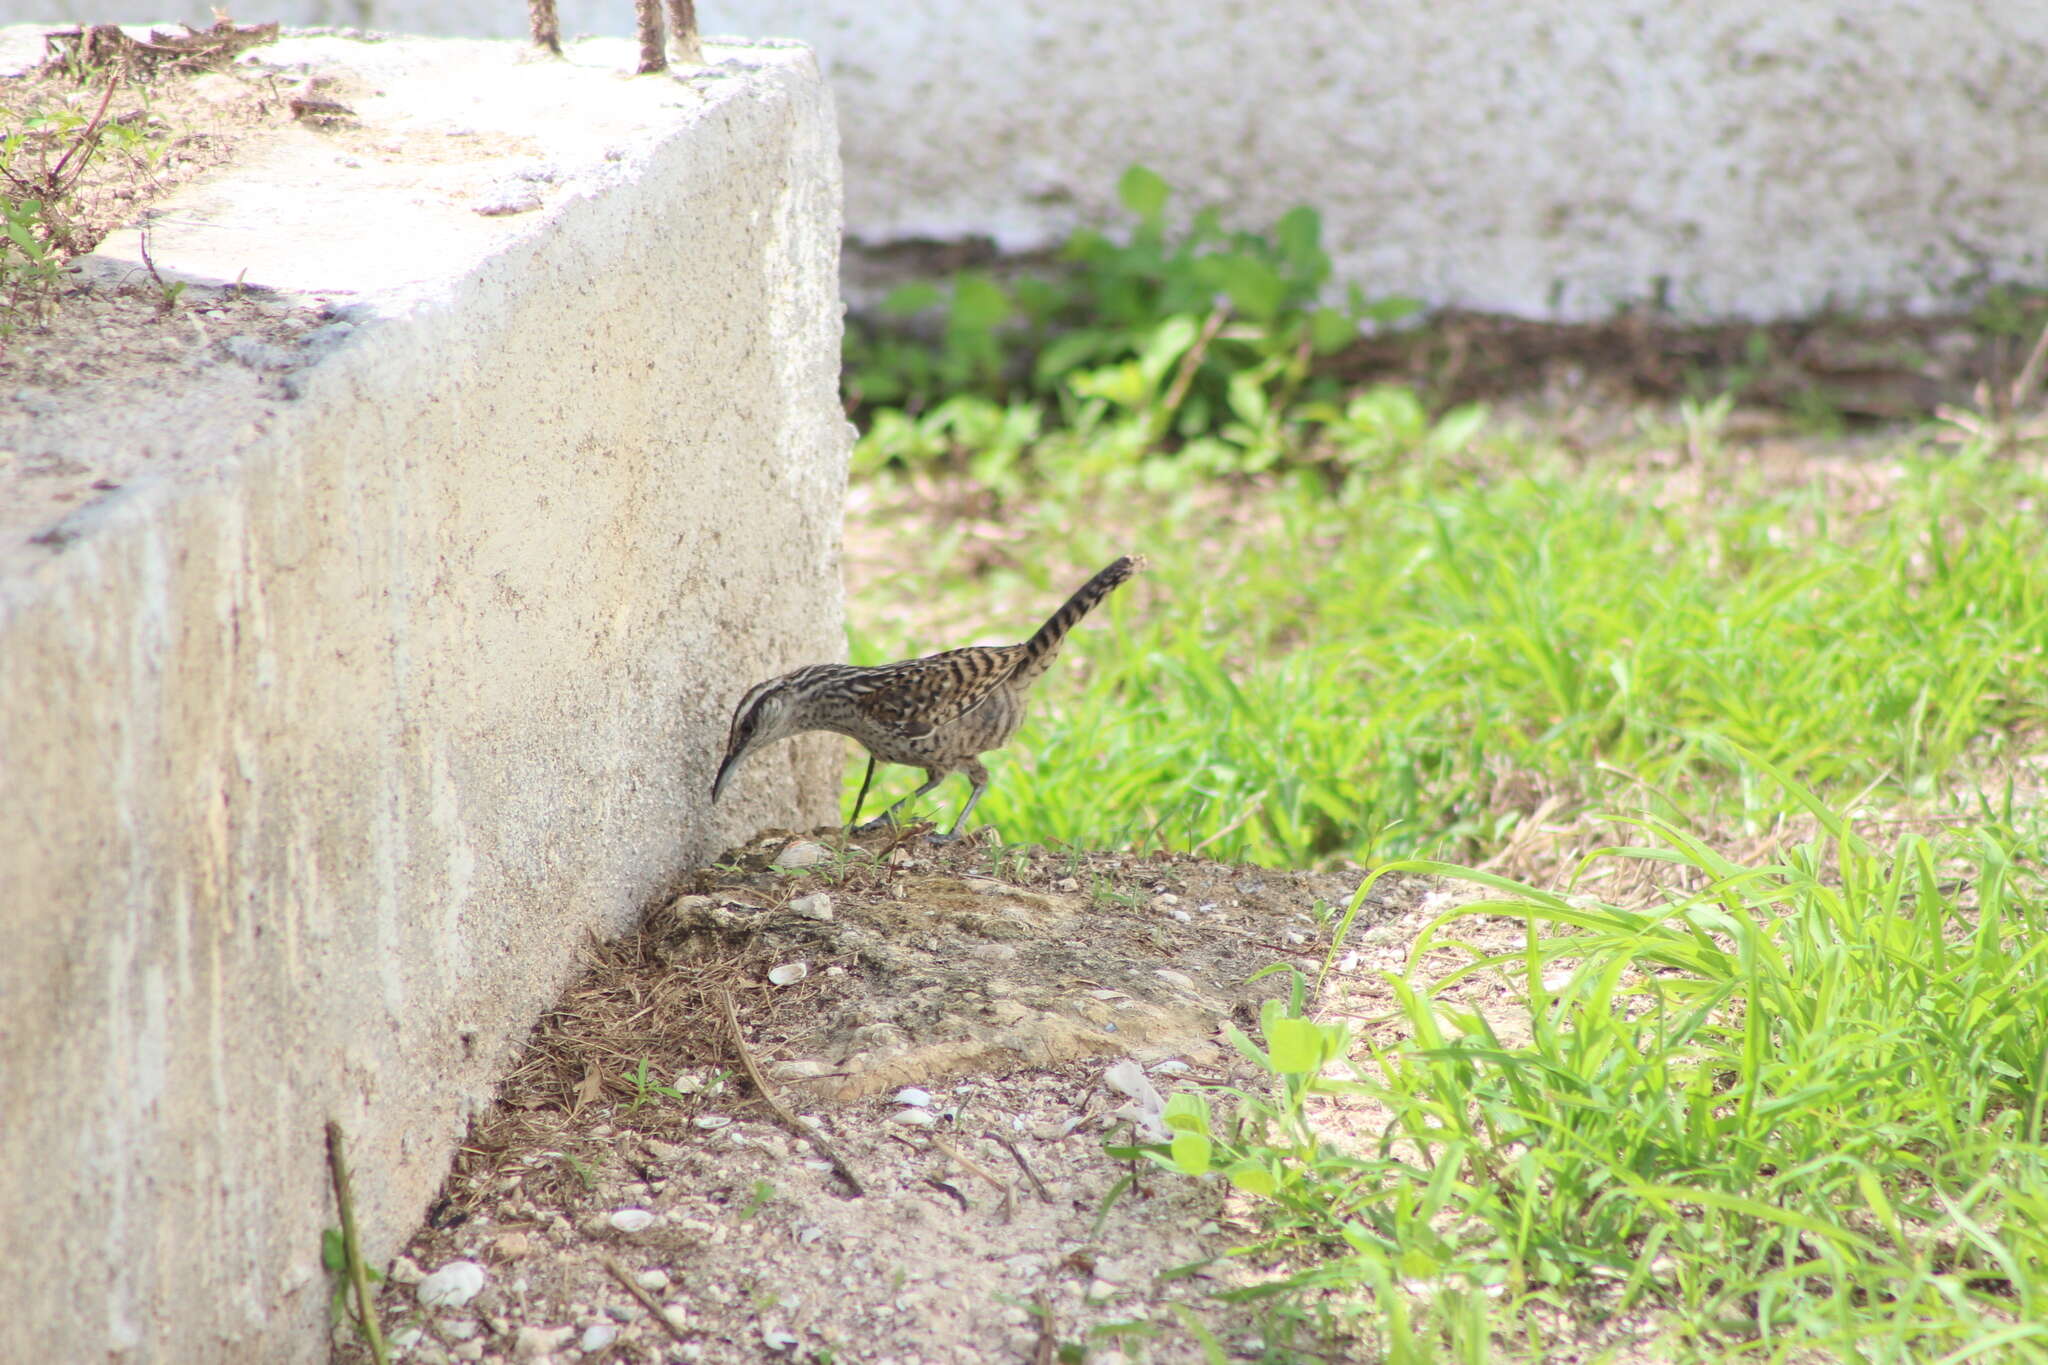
[1409, 669]
[1798, 1110]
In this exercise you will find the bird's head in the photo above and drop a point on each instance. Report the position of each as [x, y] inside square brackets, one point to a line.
[767, 713]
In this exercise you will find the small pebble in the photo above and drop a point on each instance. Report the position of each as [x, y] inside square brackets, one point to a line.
[1174, 978]
[507, 201]
[653, 1279]
[911, 1095]
[711, 1122]
[405, 1270]
[817, 905]
[789, 973]
[596, 1337]
[459, 1329]
[914, 1118]
[1180, 916]
[632, 1220]
[452, 1286]
[532, 1343]
[802, 853]
[1172, 1066]
[776, 1339]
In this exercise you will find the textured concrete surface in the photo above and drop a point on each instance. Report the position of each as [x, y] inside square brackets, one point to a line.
[1546, 157]
[385, 681]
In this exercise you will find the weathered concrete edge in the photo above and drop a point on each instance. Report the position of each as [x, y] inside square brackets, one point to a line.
[325, 767]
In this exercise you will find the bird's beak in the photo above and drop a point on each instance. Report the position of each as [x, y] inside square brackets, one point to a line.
[725, 770]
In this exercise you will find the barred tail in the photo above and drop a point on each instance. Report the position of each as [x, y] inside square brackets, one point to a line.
[1042, 648]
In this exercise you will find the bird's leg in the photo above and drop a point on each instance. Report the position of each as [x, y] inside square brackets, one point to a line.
[932, 778]
[978, 775]
[861, 800]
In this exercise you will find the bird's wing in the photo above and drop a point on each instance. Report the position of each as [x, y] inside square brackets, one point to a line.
[918, 696]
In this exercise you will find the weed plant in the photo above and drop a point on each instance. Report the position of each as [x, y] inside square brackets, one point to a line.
[1796, 1114]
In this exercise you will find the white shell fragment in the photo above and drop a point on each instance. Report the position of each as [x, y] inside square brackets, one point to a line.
[789, 973]
[802, 853]
[597, 1336]
[632, 1220]
[912, 1095]
[710, 1122]
[914, 1118]
[452, 1286]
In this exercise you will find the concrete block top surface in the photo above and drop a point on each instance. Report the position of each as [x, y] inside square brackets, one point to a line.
[455, 151]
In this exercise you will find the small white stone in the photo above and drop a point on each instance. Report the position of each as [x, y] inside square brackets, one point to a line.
[1296, 936]
[789, 973]
[1172, 1066]
[459, 1329]
[776, 1339]
[632, 1220]
[405, 1338]
[801, 853]
[817, 905]
[1167, 898]
[711, 1122]
[405, 1270]
[596, 1337]
[452, 1286]
[914, 1118]
[911, 1095]
[1174, 978]
[654, 1279]
[1181, 916]
[533, 1343]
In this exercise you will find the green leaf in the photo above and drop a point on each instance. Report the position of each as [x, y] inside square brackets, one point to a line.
[1252, 1177]
[908, 299]
[1144, 193]
[1297, 1046]
[333, 1250]
[1186, 1112]
[1191, 1153]
[979, 303]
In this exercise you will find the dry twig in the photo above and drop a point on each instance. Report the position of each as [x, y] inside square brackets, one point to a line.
[641, 1296]
[775, 1105]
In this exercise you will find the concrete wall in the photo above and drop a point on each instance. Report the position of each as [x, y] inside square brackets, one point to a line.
[389, 676]
[1545, 157]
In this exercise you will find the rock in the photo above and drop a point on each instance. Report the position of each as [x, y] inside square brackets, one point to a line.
[711, 1122]
[801, 853]
[452, 1286]
[817, 905]
[468, 1350]
[512, 1246]
[405, 1338]
[1171, 977]
[632, 1220]
[624, 1312]
[596, 1337]
[506, 200]
[405, 1270]
[914, 1118]
[777, 1339]
[532, 1343]
[653, 1279]
[459, 1329]
[911, 1095]
[1172, 1066]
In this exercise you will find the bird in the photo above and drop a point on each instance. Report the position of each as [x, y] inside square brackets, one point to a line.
[939, 712]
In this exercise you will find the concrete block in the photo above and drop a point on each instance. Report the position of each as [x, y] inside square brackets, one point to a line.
[368, 672]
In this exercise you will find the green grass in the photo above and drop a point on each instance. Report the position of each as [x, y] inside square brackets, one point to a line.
[1300, 677]
[1793, 1112]
[1795, 1115]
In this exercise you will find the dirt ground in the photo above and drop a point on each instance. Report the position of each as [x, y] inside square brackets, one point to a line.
[956, 1024]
